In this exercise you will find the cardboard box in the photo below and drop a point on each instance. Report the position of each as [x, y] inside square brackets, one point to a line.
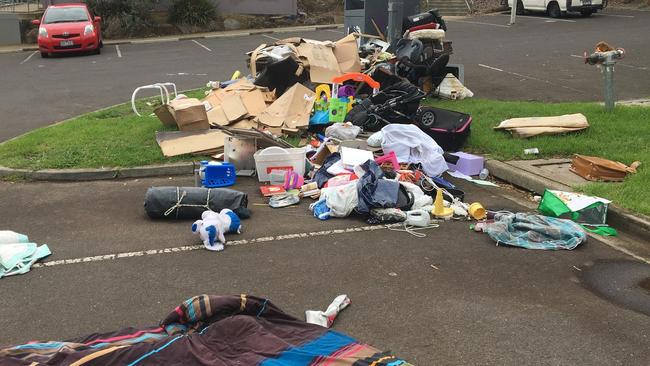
[165, 115]
[323, 152]
[347, 54]
[292, 109]
[189, 114]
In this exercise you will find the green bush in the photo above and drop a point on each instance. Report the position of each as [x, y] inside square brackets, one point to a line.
[195, 13]
[124, 18]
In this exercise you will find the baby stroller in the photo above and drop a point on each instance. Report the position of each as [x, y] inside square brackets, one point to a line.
[400, 103]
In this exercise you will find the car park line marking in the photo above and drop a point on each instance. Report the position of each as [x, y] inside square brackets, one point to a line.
[616, 15]
[530, 78]
[541, 19]
[29, 57]
[117, 48]
[189, 248]
[270, 37]
[198, 43]
[479, 23]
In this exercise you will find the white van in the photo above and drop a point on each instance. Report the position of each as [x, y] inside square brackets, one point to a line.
[556, 8]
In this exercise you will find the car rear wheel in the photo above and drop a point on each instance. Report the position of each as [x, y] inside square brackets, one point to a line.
[554, 10]
[45, 55]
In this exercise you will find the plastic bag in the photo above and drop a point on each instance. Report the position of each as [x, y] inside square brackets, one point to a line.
[343, 131]
[341, 200]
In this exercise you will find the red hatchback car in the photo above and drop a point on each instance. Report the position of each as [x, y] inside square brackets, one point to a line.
[68, 28]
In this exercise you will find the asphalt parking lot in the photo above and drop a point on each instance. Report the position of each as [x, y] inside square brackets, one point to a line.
[451, 298]
[536, 59]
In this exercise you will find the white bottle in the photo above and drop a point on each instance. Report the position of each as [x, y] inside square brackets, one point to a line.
[484, 174]
[10, 237]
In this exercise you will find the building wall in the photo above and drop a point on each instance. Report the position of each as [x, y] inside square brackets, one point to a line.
[9, 29]
[260, 7]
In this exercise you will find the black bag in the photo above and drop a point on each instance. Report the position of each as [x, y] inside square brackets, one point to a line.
[190, 202]
[450, 129]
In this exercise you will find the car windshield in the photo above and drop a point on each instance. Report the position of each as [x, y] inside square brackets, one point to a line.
[66, 15]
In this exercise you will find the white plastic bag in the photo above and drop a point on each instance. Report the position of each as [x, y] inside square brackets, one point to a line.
[343, 131]
[376, 139]
[341, 199]
[421, 199]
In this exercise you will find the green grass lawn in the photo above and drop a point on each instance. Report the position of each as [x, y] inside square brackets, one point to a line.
[115, 137]
[621, 135]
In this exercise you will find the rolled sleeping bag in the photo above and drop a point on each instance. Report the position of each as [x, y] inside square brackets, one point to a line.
[188, 203]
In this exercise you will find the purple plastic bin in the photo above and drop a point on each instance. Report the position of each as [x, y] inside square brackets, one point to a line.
[467, 164]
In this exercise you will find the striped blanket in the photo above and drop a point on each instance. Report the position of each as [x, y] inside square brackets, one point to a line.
[209, 330]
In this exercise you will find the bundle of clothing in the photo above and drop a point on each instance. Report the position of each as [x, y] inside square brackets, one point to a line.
[209, 330]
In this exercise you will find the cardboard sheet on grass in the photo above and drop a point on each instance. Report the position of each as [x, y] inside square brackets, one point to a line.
[173, 143]
[292, 110]
[537, 126]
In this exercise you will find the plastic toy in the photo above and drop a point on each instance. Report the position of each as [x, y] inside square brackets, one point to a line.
[439, 209]
[321, 105]
[212, 227]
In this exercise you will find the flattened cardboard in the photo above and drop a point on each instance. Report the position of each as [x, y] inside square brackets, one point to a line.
[216, 116]
[173, 143]
[190, 114]
[292, 109]
[244, 124]
[323, 65]
[233, 107]
[254, 102]
[347, 54]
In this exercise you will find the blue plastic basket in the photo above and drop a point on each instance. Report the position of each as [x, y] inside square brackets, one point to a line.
[218, 175]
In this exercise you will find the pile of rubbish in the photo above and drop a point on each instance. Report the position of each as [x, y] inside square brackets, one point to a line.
[362, 143]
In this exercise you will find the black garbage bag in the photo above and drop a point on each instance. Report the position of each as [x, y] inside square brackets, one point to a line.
[281, 75]
[188, 203]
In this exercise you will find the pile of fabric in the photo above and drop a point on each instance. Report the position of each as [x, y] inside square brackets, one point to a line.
[209, 330]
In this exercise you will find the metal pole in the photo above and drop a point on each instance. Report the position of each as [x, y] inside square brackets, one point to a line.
[609, 84]
[395, 14]
[513, 12]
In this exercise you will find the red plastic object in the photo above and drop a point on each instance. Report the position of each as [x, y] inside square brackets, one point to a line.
[431, 25]
[356, 76]
[390, 157]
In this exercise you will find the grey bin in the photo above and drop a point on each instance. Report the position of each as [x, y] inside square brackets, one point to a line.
[360, 13]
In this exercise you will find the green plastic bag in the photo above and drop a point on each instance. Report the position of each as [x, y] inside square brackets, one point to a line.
[578, 207]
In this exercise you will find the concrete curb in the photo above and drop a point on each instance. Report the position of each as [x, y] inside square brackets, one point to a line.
[225, 34]
[617, 217]
[81, 175]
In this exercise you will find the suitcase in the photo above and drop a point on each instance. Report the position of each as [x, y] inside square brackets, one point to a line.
[598, 169]
[450, 129]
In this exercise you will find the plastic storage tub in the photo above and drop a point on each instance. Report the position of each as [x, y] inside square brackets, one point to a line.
[277, 158]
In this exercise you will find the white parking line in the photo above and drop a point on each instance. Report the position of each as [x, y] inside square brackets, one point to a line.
[117, 48]
[198, 43]
[28, 57]
[529, 77]
[270, 37]
[547, 20]
[616, 15]
[187, 248]
[479, 23]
